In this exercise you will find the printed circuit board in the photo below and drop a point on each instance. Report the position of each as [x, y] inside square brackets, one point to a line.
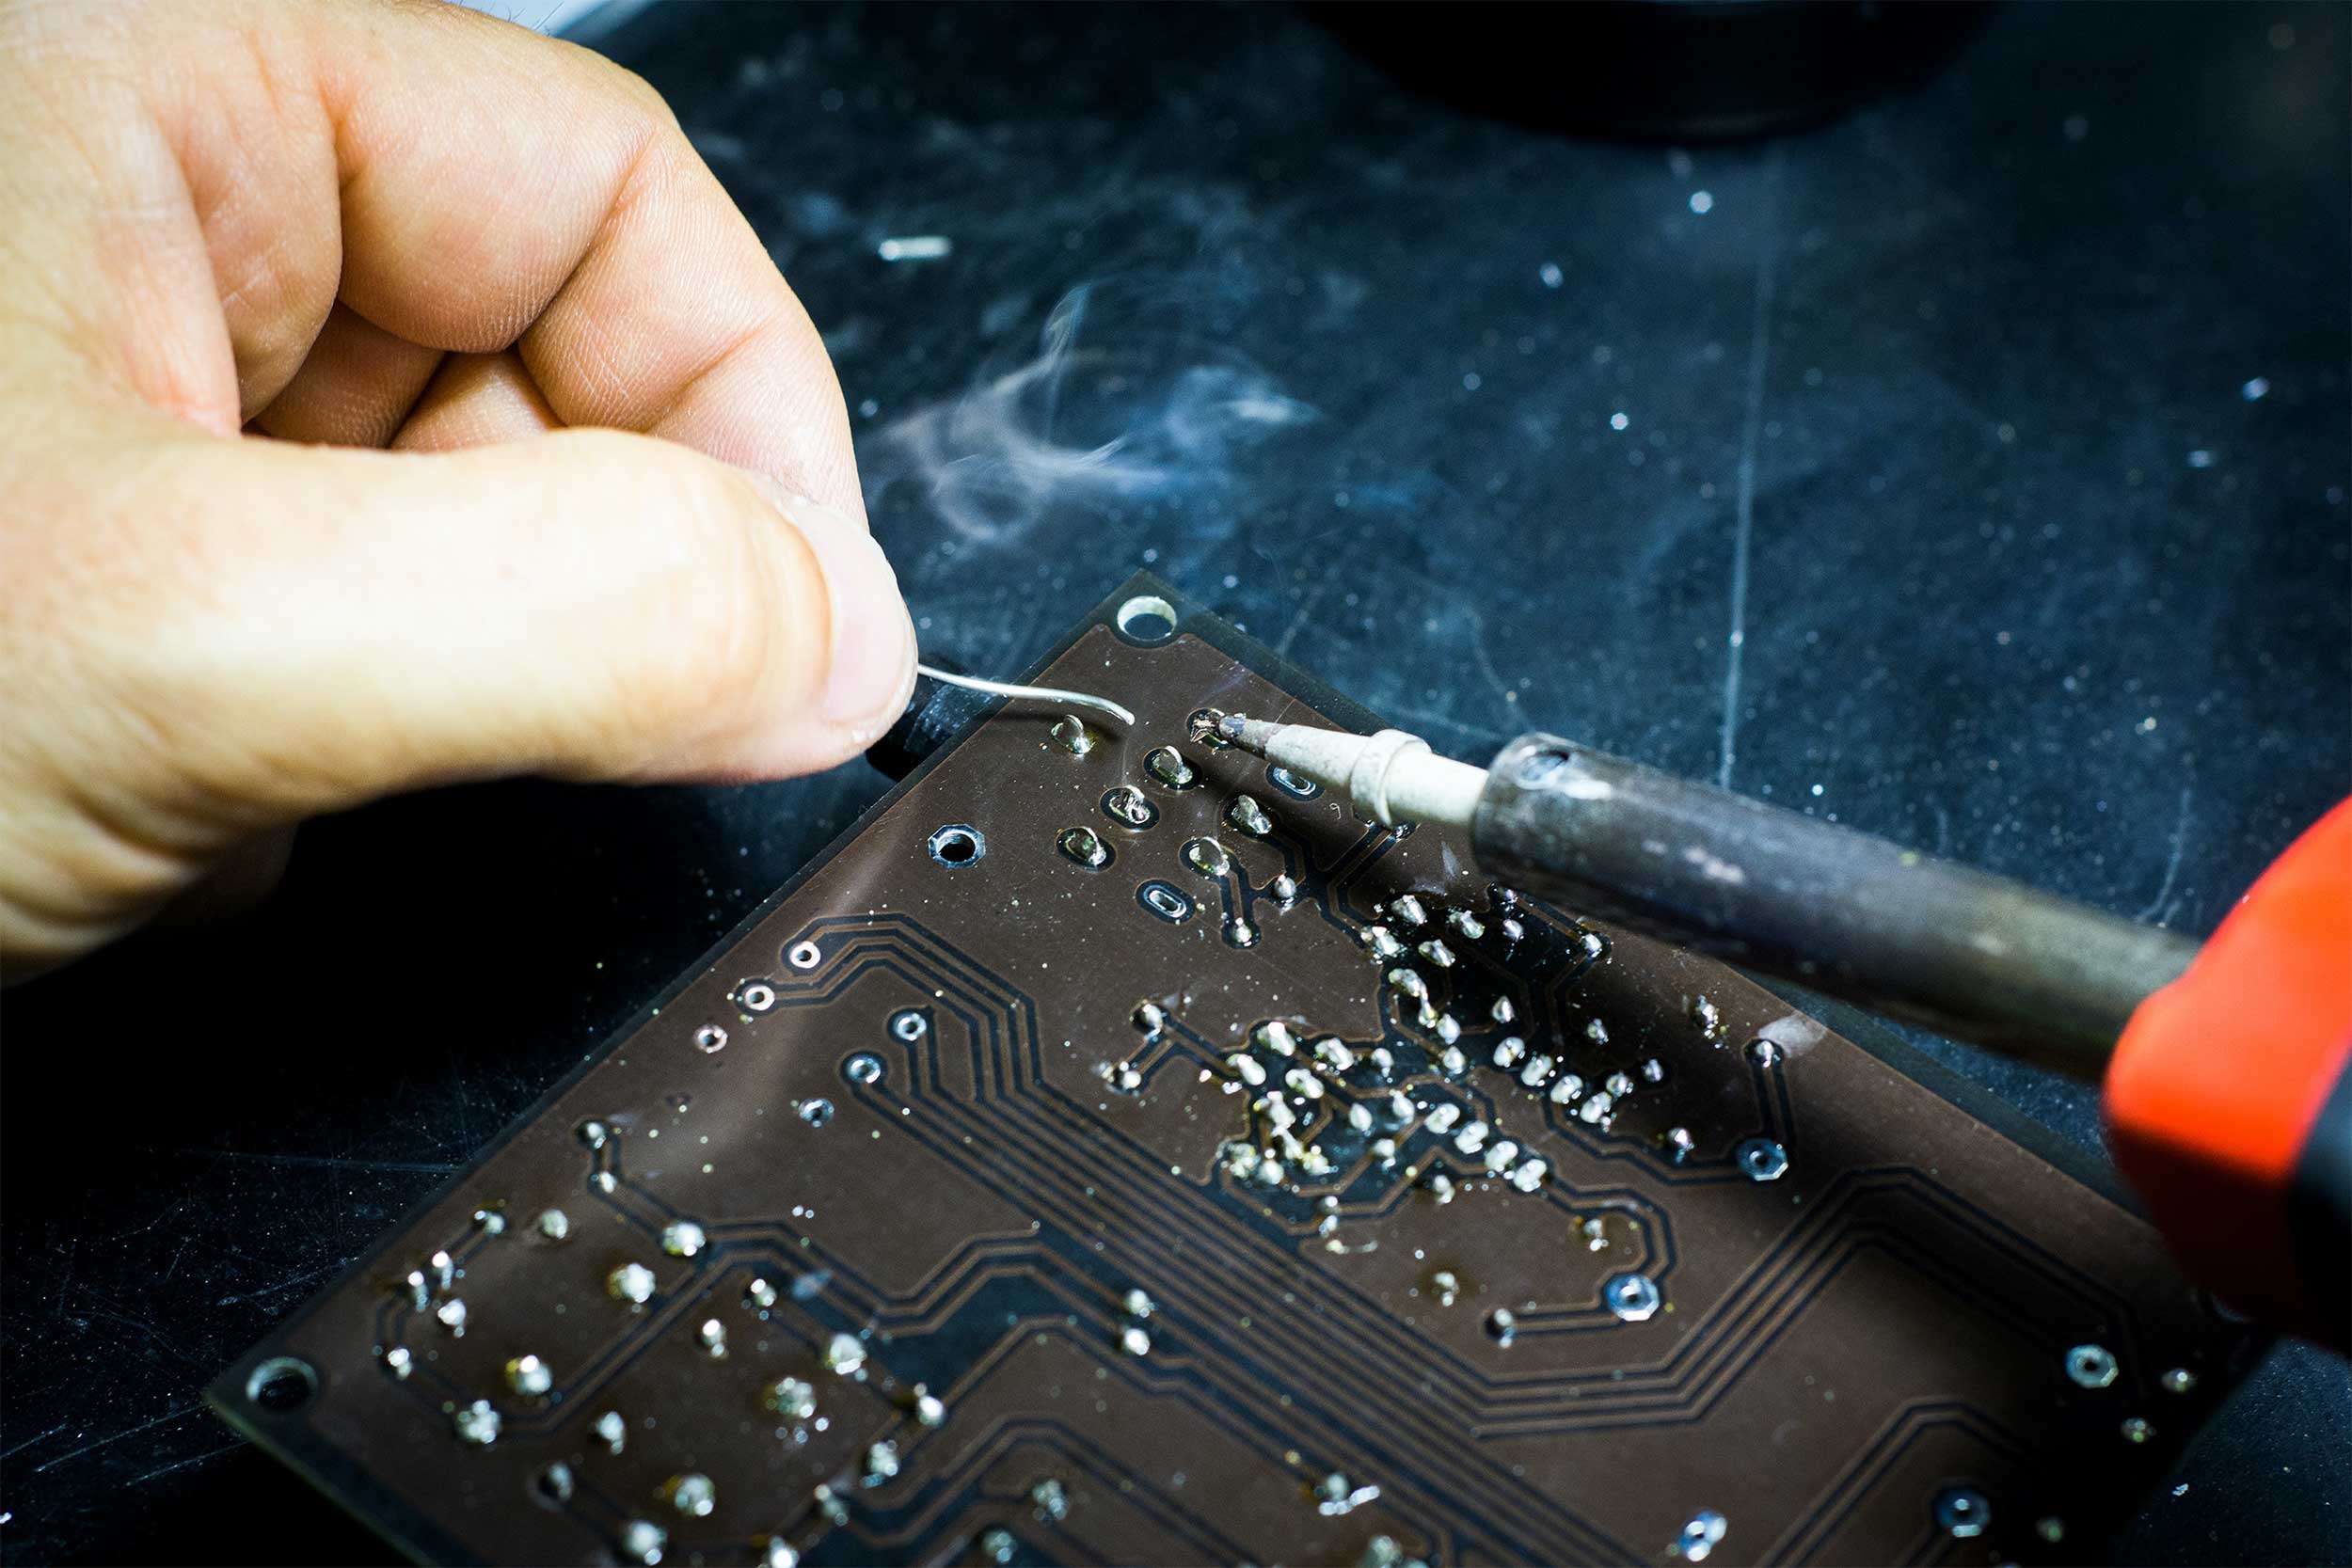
[1111, 1152]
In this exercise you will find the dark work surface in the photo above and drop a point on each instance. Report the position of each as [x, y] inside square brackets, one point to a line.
[1981, 482]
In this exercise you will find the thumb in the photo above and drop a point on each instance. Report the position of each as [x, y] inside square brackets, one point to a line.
[587, 604]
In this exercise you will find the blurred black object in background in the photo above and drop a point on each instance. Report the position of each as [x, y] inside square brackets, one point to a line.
[1690, 70]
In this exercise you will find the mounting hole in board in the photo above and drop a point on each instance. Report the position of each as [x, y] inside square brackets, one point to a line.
[282, 1384]
[956, 845]
[1146, 620]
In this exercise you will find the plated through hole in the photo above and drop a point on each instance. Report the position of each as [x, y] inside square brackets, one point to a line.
[1166, 901]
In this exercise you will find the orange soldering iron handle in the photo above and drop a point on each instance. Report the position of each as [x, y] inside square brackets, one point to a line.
[2229, 1101]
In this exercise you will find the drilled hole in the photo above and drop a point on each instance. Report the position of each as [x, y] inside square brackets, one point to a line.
[282, 1384]
[1147, 619]
[958, 846]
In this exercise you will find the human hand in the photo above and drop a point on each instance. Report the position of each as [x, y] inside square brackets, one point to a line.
[244, 247]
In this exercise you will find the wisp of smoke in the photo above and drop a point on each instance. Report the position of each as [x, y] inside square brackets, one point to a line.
[1119, 419]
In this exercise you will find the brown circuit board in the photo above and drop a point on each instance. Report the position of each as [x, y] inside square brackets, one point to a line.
[1111, 1152]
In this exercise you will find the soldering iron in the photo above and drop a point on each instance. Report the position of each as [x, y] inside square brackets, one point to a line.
[2227, 1064]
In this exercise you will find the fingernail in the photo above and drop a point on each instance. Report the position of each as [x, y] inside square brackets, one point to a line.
[873, 641]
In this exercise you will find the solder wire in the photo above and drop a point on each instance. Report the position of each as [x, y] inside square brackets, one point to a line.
[1034, 693]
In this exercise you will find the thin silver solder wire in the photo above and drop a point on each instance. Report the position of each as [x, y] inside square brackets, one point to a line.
[1035, 693]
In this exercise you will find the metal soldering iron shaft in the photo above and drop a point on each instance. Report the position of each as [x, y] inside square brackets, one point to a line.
[1833, 910]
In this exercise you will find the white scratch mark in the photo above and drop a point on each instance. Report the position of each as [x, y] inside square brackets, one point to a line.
[2172, 866]
[1485, 665]
[1751, 432]
[1306, 609]
[1421, 716]
[182, 1465]
[19, 1448]
[132, 1431]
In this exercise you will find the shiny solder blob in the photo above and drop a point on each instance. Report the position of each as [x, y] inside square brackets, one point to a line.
[1085, 847]
[1699, 1537]
[1167, 765]
[1205, 856]
[1130, 807]
[1243, 813]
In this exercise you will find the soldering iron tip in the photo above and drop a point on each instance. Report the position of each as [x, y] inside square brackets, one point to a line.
[1252, 735]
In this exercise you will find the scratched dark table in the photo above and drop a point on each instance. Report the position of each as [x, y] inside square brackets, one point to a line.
[1971, 468]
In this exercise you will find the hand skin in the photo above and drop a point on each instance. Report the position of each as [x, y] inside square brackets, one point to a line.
[387, 396]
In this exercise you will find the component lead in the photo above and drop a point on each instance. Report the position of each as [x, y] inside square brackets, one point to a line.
[1167, 765]
[1085, 847]
[1206, 856]
[1131, 806]
[1244, 814]
[1707, 1017]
